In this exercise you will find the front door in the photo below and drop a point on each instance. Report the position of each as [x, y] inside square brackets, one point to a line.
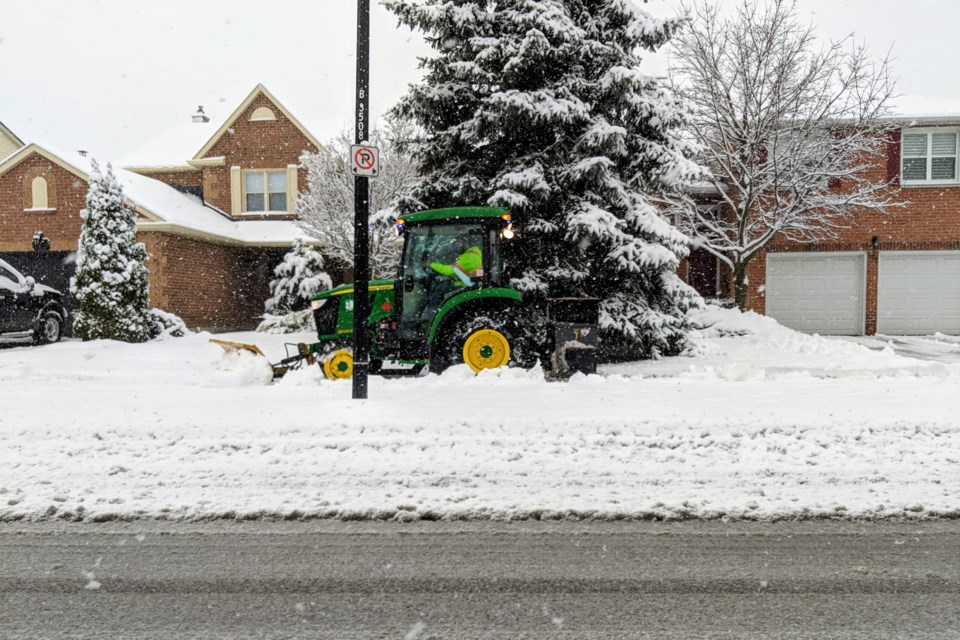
[703, 273]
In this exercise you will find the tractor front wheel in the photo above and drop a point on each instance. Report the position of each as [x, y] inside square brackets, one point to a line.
[338, 365]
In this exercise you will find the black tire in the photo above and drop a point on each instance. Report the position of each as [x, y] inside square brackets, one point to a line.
[450, 348]
[49, 328]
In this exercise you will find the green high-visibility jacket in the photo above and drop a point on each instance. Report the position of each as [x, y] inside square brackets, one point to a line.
[470, 263]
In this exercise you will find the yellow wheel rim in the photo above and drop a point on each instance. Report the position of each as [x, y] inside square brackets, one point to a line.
[486, 349]
[339, 366]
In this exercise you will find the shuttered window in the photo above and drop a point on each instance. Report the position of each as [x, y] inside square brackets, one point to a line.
[929, 156]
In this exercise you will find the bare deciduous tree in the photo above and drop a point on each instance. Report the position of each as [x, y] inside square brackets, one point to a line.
[326, 207]
[788, 128]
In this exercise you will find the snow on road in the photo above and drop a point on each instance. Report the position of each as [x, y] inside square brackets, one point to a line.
[756, 422]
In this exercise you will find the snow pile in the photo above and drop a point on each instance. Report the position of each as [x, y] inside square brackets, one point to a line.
[738, 346]
[759, 422]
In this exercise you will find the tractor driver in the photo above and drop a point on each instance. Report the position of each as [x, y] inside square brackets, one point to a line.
[467, 266]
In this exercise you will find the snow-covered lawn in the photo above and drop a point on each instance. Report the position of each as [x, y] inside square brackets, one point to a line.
[767, 424]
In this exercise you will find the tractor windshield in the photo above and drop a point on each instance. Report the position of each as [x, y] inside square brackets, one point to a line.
[438, 261]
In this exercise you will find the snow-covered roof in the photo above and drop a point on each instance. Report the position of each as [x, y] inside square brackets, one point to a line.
[186, 141]
[166, 209]
[172, 148]
[926, 109]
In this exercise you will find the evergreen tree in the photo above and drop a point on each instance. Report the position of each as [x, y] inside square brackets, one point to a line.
[539, 106]
[298, 277]
[110, 287]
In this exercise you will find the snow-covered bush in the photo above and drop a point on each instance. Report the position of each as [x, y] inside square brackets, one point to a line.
[293, 322]
[163, 324]
[540, 106]
[110, 287]
[298, 277]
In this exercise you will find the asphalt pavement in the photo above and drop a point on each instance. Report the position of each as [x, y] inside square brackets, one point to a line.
[430, 580]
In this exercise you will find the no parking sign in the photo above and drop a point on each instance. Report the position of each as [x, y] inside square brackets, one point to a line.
[365, 160]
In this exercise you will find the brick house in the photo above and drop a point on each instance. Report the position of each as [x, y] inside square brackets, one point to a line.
[896, 273]
[214, 202]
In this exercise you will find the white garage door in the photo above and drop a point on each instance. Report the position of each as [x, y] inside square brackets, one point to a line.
[918, 292]
[817, 292]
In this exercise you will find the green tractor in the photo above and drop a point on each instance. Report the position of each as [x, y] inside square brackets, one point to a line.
[449, 304]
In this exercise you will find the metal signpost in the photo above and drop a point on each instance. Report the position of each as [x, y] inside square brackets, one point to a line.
[361, 265]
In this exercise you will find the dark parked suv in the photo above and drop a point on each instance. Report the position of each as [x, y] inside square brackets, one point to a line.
[29, 310]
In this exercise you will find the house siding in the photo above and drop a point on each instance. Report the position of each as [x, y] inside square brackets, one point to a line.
[7, 145]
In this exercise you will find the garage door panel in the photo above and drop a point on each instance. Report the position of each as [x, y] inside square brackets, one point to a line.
[817, 293]
[918, 293]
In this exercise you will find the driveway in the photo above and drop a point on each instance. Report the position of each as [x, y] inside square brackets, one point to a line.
[935, 348]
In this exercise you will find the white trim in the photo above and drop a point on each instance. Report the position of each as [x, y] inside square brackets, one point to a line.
[929, 182]
[40, 210]
[215, 161]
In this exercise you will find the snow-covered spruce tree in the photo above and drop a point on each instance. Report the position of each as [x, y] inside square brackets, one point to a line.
[539, 106]
[110, 287]
[298, 277]
[326, 207]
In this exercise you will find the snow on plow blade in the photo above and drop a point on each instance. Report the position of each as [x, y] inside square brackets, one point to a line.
[279, 368]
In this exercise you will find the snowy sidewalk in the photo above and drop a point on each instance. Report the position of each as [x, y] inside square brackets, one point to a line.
[768, 424]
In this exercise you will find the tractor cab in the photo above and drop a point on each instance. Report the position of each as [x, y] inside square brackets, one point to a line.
[447, 255]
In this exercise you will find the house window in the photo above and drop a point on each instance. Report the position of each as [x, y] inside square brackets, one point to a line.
[39, 193]
[265, 191]
[929, 156]
[261, 114]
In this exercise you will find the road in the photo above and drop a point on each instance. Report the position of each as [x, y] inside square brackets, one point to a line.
[480, 580]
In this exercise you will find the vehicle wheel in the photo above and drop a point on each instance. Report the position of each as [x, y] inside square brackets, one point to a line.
[481, 343]
[338, 365]
[49, 329]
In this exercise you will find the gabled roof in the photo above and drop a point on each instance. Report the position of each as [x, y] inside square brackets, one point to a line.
[163, 208]
[258, 90]
[180, 147]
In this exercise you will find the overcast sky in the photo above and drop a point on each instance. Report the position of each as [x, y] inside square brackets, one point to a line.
[107, 75]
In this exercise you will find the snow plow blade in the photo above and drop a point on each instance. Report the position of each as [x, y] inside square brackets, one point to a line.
[231, 347]
[279, 368]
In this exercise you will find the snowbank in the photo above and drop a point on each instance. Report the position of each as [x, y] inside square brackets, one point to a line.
[757, 422]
